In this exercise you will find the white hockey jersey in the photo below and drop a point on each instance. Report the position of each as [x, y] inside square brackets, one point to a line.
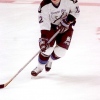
[48, 13]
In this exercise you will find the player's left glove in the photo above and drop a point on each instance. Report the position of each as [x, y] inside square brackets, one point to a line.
[63, 26]
[65, 23]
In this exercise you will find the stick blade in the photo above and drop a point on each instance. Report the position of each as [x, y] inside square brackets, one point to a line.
[2, 86]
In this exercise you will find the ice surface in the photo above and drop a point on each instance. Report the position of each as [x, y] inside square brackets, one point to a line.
[74, 77]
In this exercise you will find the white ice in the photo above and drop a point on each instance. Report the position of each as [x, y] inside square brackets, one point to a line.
[74, 77]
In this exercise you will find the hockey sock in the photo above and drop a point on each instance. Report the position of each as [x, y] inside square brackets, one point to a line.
[43, 58]
[53, 56]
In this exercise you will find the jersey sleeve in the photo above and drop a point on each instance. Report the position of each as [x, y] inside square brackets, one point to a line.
[43, 15]
[74, 8]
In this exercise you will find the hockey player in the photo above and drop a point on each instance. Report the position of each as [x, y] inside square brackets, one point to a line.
[55, 15]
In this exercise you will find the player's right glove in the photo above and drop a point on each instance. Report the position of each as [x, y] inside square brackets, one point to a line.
[43, 43]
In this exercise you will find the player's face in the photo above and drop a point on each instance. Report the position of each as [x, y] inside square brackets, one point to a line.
[55, 2]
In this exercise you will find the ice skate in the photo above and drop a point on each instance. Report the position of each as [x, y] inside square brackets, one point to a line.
[48, 66]
[36, 71]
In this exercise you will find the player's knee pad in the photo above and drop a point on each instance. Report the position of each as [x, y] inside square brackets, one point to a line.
[49, 51]
[59, 51]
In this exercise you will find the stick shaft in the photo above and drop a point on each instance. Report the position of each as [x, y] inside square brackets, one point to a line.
[4, 85]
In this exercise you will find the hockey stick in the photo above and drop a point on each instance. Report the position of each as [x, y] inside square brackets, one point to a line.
[4, 85]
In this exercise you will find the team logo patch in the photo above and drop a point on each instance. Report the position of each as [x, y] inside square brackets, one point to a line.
[68, 40]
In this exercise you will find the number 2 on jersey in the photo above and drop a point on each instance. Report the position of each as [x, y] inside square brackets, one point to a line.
[40, 19]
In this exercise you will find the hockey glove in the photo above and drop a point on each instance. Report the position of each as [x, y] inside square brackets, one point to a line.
[43, 43]
[65, 23]
[63, 26]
